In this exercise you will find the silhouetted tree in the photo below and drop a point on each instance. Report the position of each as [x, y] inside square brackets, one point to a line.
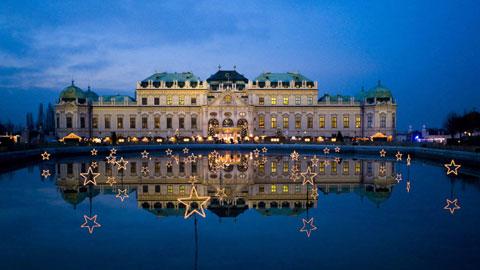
[40, 118]
[50, 119]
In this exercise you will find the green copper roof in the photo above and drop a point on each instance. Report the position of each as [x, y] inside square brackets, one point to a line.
[334, 98]
[283, 77]
[379, 91]
[117, 98]
[91, 95]
[72, 92]
[171, 77]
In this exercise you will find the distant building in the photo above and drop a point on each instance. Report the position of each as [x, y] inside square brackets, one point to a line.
[226, 105]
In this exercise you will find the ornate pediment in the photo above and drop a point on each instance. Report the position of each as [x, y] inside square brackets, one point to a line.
[228, 98]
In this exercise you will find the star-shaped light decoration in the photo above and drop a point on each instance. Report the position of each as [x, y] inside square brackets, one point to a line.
[192, 179]
[308, 176]
[452, 205]
[398, 178]
[314, 161]
[264, 160]
[338, 160]
[89, 177]
[408, 186]
[90, 223]
[256, 163]
[186, 160]
[398, 156]
[45, 173]
[256, 152]
[192, 158]
[168, 152]
[409, 160]
[144, 154]
[111, 159]
[94, 164]
[200, 202]
[337, 149]
[176, 159]
[383, 153]
[220, 194]
[111, 180]
[264, 150]
[169, 164]
[45, 155]
[326, 163]
[185, 150]
[113, 151]
[122, 194]
[94, 152]
[294, 155]
[452, 168]
[326, 150]
[122, 164]
[294, 176]
[308, 226]
[382, 170]
[145, 170]
[314, 193]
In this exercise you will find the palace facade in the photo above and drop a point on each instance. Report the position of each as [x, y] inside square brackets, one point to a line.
[227, 104]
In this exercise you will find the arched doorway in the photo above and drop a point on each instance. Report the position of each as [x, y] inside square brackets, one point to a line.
[242, 123]
[227, 122]
[212, 125]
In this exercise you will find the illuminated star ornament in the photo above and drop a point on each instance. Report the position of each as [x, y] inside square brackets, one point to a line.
[185, 150]
[194, 204]
[45, 156]
[144, 154]
[308, 176]
[314, 160]
[408, 186]
[94, 152]
[256, 152]
[452, 168]
[111, 159]
[94, 164]
[338, 160]
[398, 156]
[45, 173]
[452, 205]
[145, 170]
[294, 155]
[122, 194]
[122, 164]
[398, 178]
[111, 180]
[409, 160]
[192, 158]
[383, 153]
[337, 149]
[113, 151]
[168, 152]
[220, 194]
[314, 193]
[90, 223]
[382, 170]
[89, 177]
[264, 150]
[308, 226]
[326, 150]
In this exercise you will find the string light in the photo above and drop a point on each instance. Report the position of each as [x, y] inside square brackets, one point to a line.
[89, 177]
[168, 152]
[308, 176]
[94, 152]
[92, 221]
[398, 156]
[111, 180]
[185, 150]
[45, 156]
[122, 164]
[337, 149]
[452, 168]
[94, 164]
[326, 150]
[113, 151]
[264, 150]
[314, 161]
[45, 173]
[308, 226]
[452, 205]
[383, 153]
[201, 201]
[294, 155]
[122, 194]
[144, 154]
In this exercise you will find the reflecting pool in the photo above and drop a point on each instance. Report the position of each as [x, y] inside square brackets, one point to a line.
[238, 210]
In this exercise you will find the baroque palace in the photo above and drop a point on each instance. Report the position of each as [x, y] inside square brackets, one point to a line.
[226, 106]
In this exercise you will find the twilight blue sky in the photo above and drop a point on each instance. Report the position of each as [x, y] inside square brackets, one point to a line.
[426, 52]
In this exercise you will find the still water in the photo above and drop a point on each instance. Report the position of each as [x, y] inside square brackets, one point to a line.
[361, 212]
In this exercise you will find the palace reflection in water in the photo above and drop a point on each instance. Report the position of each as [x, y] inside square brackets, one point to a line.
[263, 183]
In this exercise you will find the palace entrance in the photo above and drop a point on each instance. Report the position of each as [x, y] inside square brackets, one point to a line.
[228, 131]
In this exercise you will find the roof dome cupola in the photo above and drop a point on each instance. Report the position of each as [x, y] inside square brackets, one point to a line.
[90, 95]
[72, 93]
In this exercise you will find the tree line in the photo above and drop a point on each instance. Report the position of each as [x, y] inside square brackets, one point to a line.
[468, 122]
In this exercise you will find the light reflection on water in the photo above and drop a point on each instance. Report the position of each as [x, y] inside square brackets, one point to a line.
[258, 213]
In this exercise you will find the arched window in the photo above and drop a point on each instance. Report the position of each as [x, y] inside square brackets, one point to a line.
[383, 120]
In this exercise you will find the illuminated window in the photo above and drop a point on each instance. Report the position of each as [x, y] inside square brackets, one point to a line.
[273, 122]
[273, 167]
[321, 121]
[285, 189]
[285, 167]
[310, 122]
[346, 121]
[144, 122]
[358, 168]
[369, 120]
[383, 120]
[261, 168]
[298, 122]
[170, 189]
[273, 101]
[181, 100]
[334, 168]
[285, 100]
[334, 121]
[156, 121]
[357, 121]
[181, 188]
[119, 122]
[297, 188]
[298, 100]
[321, 168]
[285, 122]
[169, 100]
[346, 167]
[261, 100]
[261, 121]
[273, 188]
